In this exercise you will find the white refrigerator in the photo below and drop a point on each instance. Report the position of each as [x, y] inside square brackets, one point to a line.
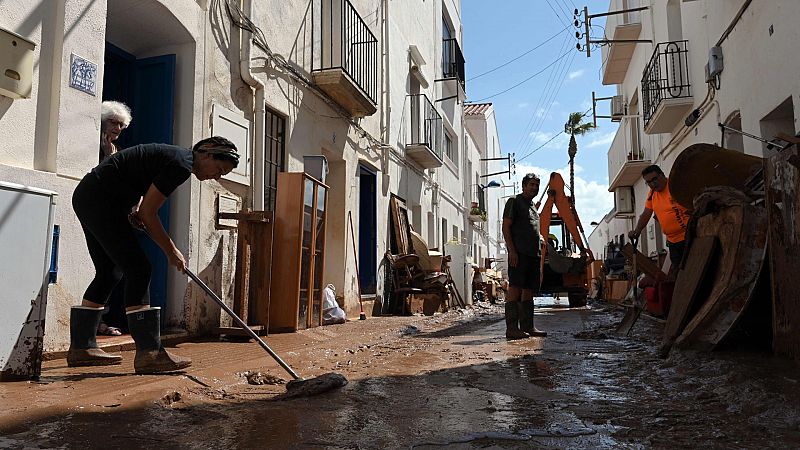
[460, 269]
[26, 237]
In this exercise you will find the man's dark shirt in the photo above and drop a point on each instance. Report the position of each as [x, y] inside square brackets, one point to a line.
[524, 224]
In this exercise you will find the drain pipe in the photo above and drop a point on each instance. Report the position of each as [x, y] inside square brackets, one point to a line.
[259, 111]
[386, 122]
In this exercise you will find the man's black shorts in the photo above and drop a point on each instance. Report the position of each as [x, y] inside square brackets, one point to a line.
[526, 274]
[676, 250]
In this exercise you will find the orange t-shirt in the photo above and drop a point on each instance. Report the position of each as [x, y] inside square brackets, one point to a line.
[671, 215]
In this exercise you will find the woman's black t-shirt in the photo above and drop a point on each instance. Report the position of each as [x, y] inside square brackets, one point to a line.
[128, 174]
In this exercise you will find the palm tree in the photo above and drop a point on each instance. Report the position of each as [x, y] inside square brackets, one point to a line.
[574, 127]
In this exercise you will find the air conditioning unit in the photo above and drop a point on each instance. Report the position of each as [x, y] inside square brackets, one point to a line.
[623, 200]
[617, 108]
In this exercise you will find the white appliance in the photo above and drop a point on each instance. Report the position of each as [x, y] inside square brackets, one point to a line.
[316, 166]
[26, 236]
[460, 265]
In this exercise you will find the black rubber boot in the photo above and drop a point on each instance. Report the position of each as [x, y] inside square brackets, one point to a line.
[151, 357]
[512, 320]
[526, 320]
[83, 350]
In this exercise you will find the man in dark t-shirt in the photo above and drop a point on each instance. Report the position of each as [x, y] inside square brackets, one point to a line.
[522, 236]
[124, 192]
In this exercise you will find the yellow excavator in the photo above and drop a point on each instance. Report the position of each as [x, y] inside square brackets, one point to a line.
[563, 267]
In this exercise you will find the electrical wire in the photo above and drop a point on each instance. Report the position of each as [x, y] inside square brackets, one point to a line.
[520, 56]
[548, 97]
[549, 140]
[240, 20]
[556, 12]
[555, 92]
[544, 94]
[526, 79]
[540, 147]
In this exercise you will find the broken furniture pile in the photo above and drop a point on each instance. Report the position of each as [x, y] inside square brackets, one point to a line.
[487, 284]
[737, 281]
[419, 278]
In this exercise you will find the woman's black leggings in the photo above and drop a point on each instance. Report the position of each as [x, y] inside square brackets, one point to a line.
[113, 246]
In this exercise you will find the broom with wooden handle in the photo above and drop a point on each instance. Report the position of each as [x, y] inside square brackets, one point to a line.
[298, 386]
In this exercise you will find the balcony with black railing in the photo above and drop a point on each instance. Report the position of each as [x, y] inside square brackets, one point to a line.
[345, 57]
[424, 138]
[453, 66]
[666, 90]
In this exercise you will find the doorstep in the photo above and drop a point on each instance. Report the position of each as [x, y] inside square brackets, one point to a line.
[115, 344]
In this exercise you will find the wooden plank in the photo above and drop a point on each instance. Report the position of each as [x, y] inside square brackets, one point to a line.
[643, 263]
[741, 229]
[400, 227]
[241, 293]
[782, 179]
[687, 287]
[261, 272]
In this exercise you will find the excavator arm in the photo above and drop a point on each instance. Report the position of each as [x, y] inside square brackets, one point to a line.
[556, 196]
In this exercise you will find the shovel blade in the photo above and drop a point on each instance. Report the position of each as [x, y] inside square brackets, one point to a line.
[631, 316]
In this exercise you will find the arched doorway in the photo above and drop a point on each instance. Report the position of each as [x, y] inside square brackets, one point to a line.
[149, 65]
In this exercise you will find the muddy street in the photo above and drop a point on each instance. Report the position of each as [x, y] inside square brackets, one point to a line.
[448, 381]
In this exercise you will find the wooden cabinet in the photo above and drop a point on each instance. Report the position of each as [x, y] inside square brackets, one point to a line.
[298, 253]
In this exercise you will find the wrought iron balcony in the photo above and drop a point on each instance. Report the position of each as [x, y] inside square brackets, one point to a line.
[666, 90]
[424, 139]
[453, 63]
[345, 56]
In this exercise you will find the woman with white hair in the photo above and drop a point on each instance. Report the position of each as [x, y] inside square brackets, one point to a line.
[114, 117]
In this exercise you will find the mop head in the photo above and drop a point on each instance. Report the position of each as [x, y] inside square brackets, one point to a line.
[313, 386]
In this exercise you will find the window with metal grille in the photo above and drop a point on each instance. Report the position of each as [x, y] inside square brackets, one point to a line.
[275, 155]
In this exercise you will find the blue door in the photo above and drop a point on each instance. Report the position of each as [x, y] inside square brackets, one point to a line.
[367, 230]
[147, 86]
[154, 89]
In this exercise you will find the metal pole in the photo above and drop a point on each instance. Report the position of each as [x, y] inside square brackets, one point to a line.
[586, 29]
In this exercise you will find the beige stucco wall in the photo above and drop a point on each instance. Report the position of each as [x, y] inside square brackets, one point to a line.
[757, 75]
[50, 141]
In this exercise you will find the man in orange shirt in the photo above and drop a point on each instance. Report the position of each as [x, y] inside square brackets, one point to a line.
[673, 217]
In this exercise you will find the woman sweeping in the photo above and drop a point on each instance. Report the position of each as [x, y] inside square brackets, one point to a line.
[125, 191]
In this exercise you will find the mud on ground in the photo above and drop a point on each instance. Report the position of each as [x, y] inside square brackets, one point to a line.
[448, 381]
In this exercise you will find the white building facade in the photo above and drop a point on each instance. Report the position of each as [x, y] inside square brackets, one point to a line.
[377, 87]
[667, 101]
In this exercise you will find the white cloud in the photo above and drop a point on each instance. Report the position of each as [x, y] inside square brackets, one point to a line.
[592, 199]
[575, 74]
[599, 139]
[540, 137]
[523, 105]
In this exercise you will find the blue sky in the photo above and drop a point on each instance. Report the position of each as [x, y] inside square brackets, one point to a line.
[530, 114]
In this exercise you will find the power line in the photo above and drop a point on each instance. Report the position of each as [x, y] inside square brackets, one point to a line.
[541, 146]
[550, 140]
[554, 93]
[520, 56]
[547, 101]
[535, 122]
[556, 12]
[526, 79]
